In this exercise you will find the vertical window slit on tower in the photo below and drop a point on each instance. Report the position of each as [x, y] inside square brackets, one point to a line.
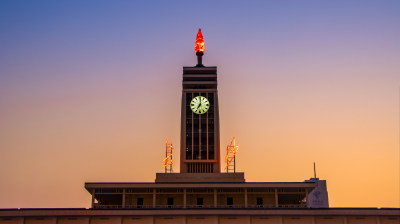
[200, 134]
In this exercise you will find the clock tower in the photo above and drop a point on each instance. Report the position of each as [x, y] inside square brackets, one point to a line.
[200, 143]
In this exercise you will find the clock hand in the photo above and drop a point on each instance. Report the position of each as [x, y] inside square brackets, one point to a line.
[199, 104]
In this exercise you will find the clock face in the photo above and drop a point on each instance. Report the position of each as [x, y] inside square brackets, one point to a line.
[199, 105]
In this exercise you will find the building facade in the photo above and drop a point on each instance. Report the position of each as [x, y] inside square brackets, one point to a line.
[201, 216]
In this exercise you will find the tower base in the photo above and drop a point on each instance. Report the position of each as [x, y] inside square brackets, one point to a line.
[200, 178]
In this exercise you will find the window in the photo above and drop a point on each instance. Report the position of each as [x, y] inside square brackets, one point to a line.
[170, 202]
[260, 203]
[139, 202]
[229, 202]
[200, 202]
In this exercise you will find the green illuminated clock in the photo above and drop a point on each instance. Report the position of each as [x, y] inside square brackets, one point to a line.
[199, 105]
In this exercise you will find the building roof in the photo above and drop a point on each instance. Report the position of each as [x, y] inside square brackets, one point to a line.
[89, 186]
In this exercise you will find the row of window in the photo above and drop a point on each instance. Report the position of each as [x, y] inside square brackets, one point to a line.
[200, 201]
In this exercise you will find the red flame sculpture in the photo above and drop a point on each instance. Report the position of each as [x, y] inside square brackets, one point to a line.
[199, 46]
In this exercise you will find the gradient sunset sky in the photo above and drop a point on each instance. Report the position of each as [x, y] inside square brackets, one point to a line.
[90, 89]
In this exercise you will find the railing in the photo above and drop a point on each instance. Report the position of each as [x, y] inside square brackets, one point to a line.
[98, 206]
[108, 206]
[138, 206]
[293, 206]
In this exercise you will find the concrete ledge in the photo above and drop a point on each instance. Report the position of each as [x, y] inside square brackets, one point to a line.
[200, 178]
[156, 212]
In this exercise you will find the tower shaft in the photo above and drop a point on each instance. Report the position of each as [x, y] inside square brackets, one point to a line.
[200, 139]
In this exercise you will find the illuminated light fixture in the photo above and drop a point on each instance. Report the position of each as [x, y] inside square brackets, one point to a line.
[167, 161]
[199, 48]
[230, 157]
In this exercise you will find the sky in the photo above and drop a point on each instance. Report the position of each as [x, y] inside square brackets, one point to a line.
[90, 89]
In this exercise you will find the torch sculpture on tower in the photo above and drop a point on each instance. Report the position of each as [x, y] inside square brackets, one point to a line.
[199, 48]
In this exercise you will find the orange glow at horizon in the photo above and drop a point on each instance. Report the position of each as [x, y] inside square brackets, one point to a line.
[199, 46]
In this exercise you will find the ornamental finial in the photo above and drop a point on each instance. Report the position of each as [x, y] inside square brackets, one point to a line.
[199, 46]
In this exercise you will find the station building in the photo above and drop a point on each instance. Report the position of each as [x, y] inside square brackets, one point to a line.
[200, 192]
